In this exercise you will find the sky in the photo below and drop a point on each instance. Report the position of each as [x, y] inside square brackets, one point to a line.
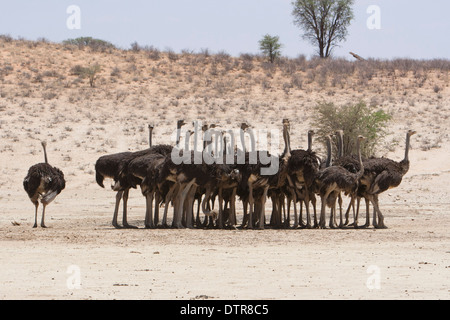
[415, 29]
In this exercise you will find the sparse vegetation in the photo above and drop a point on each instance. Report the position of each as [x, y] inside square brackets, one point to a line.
[94, 44]
[90, 72]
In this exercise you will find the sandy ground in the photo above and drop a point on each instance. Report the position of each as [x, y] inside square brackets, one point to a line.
[410, 260]
[81, 256]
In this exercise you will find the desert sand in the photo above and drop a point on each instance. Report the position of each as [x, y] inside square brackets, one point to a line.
[81, 256]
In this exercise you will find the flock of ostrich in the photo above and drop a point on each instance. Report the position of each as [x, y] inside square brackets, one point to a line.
[190, 188]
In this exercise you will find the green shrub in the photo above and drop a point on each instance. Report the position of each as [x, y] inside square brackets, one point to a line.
[354, 120]
[90, 72]
[94, 44]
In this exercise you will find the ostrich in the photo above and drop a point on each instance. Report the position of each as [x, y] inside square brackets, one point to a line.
[350, 163]
[110, 166]
[259, 184]
[43, 182]
[382, 174]
[302, 168]
[206, 176]
[139, 171]
[336, 179]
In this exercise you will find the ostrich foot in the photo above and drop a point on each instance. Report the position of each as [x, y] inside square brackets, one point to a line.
[381, 226]
[129, 226]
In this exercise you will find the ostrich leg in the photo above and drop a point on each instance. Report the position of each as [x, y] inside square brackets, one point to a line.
[314, 202]
[184, 190]
[190, 206]
[116, 209]
[125, 213]
[43, 215]
[149, 212]
[157, 201]
[262, 215]
[341, 220]
[324, 199]
[294, 200]
[367, 224]
[167, 200]
[220, 218]
[380, 224]
[251, 203]
[347, 213]
[308, 215]
[245, 214]
[232, 218]
[333, 224]
[36, 205]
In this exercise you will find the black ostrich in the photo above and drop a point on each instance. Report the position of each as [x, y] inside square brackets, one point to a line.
[382, 174]
[258, 183]
[111, 166]
[333, 180]
[303, 166]
[43, 182]
[351, 164]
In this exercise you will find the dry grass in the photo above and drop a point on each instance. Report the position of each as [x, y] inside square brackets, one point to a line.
[146, 84]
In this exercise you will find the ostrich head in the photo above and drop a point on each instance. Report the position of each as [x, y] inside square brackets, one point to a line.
[235, 175]
[411, 132]
[244, 126]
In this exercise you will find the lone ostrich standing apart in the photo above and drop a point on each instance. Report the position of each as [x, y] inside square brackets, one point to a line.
[43, 182]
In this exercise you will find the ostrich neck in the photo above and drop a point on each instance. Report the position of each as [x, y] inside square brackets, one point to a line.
[361, 165]
[252, 140]
[407, 149]
[405, 162]
[178, 134]
[45, 154]
[287, 146]
[340, 145]
[328, 163]
[150, 138]
[242, 135]
[186, 141]
[309, 142]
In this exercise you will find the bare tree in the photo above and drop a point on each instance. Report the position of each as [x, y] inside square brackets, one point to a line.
[324, 22]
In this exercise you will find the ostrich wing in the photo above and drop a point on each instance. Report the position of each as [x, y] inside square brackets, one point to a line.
[384, 181]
